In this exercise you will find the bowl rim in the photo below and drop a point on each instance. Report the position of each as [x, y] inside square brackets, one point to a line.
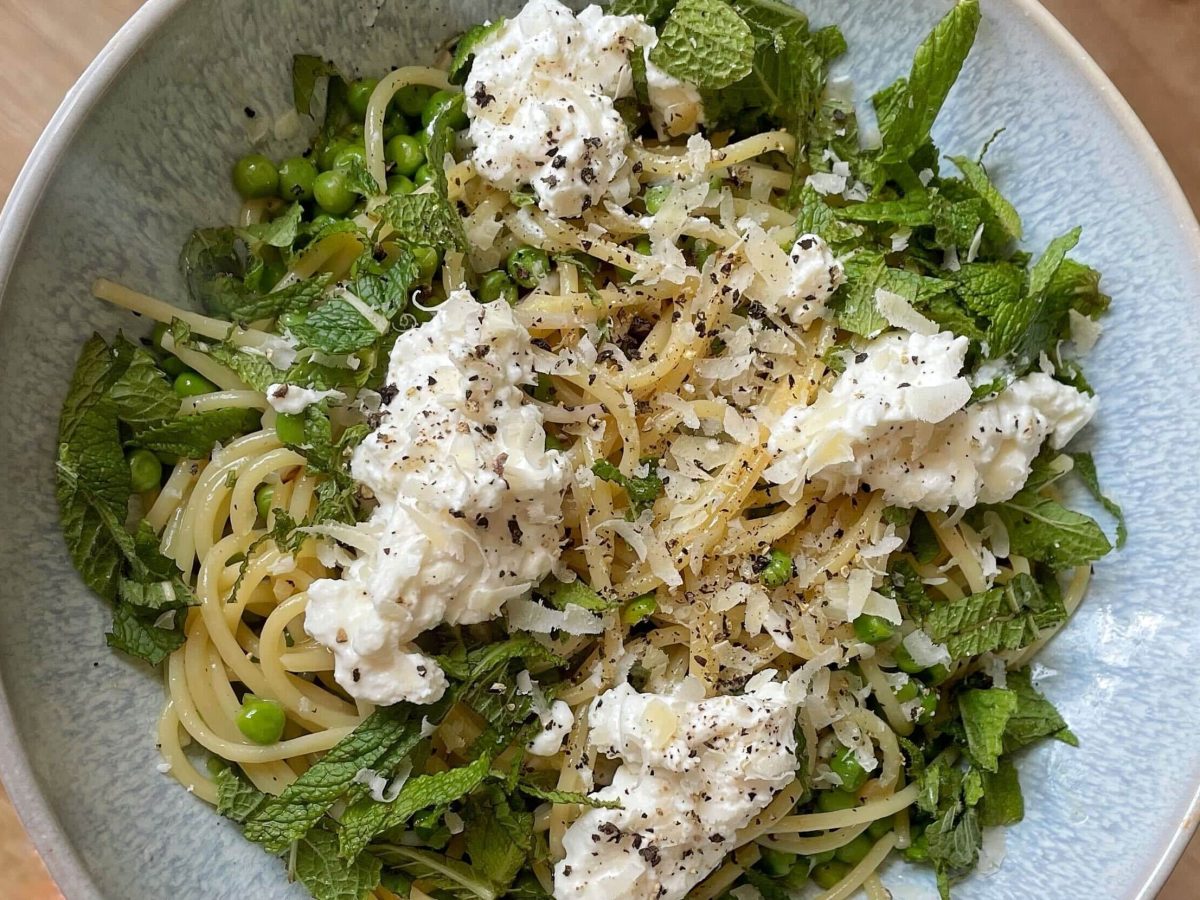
[66, 867]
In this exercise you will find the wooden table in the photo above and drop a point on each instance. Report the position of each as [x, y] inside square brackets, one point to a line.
[1150, 48]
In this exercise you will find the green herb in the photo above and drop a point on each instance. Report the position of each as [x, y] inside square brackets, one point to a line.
[1085, 467]
[329, 877]
[985, 287]
[655, 11]
[985, 715]
[446, 877]
[909, 107]
[142, 393]
[1048, 532]
[132, 633]
[279, 232]
[335, 327]
[289, 816]
[566, 797]
[237, 798]
[578, 593]
[642, 490]
[426, 219]
[1003, 618]
[1002, 211]
[1002, 803]
[499, 836]
[193, 436]
[1034, 717]
[705, 43]
[1024, 329]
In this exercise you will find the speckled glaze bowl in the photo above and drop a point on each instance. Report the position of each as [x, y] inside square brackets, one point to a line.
[139, 154]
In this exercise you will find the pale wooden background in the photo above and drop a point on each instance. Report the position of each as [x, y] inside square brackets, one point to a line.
[1150, 48]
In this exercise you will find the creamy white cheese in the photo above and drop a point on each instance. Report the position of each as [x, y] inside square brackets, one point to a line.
[693, 773]
[469, 502]
[292, 399]
[540, 99]
[556, 725]
[895, 421]
[796, 283]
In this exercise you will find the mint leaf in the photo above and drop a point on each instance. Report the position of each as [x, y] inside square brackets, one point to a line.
[427, 219]
[1025, 328]
[654, 11]
[854, 303]
[468, 44]
[1076, 286]
[142, 393]
[420, 792]
[281, 231]
[705, 43]
[360, 180]
[289, 816]
[911, 210]
[498, 836]
[385, 290]
[1002, 802]
[578, 592]
[815, 216]
[985, 715]
[193, 436]
[1003, 211]
[306, 71]
[1034, 717]
[138, 636]
[237, 798]
[953, 840]
[335, 327]
[570, 797]
[450, 877]
[92, 483]
[985, 287]
[1003, 618]
[908, 109]
[255, 370]
[1085, 467]
[1044, 530]
[327, 876]
[156, 596]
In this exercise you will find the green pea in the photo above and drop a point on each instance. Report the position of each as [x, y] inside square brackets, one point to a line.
[873, 629]
[255, 176]
[496, 284]
[215, 765]
[778, 570]
[835, 800]
[904, 660]
[145, 471]
[173, 366]
[642, 246]
[332, 193]
[411, 99]
[452, 103]
[908, 691]
[190, 384]
[427, 260]
[296, 177]
[776, 863]
[528, 266]
[264, 496]
[879, 828]
[853, 852]
[638, 609]
[329, 153]
[350, 156]
[156, 336]
[261, 721]
[846, 766]
[423, 175]
[397, 185]
[828, 874]
[816, 859]
[289, 428]
[405, 153]
[358, 95]
[655, 197]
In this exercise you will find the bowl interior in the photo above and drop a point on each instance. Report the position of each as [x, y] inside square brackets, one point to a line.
[149, 162]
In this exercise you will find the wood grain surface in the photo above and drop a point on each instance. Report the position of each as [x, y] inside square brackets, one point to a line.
[1150, 48]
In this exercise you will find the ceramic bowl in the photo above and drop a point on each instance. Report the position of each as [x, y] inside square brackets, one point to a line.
[139, 154]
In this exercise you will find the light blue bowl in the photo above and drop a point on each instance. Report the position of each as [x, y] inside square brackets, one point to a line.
[139, 154]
